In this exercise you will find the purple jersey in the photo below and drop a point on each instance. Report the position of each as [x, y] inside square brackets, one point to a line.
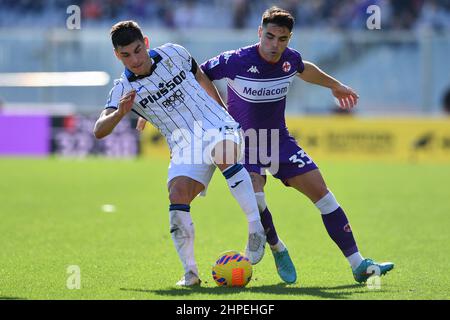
[257, 89]
[257, 92]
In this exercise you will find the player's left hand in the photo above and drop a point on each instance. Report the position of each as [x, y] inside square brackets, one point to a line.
[346, 96]
[141, 124]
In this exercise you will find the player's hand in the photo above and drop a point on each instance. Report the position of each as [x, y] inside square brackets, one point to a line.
[141, 124]
[346, 96]
[126, 102]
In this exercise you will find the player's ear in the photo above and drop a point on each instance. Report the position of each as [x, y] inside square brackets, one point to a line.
[116, 53]
[260, 32]
[147, 42]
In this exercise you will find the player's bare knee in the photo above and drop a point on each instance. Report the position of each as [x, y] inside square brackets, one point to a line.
[319, 192]
[319, 186]
[182, 190]
[180, 195]
[176, 197]
[225, 153]
[261, 201]
[258, 182]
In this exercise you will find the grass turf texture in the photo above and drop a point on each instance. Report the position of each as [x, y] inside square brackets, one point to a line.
[51, 218]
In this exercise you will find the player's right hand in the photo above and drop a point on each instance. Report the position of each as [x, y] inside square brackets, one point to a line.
[126, 102]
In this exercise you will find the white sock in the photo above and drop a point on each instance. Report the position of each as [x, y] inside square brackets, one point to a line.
[278, 247]
[255, 226]
[241, 188]
[182, 232]
[261, 201]
[327, 204]
[355, 260]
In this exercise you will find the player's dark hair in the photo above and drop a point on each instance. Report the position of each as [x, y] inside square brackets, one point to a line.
[125, 32]
[279, 17]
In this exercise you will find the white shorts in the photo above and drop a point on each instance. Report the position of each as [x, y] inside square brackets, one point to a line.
[195, 160]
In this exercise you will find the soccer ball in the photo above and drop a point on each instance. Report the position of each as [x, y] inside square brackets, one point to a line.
[232, 269]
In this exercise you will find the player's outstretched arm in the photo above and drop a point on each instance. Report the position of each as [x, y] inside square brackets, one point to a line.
[110, 117]
[346, 96]
[209, 87]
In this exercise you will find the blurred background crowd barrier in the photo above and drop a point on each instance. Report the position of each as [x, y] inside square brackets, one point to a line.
[400, 71]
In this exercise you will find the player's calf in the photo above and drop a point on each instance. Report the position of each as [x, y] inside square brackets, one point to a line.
[285, 266]
[266, 219]
[183, 233]
[240, 186]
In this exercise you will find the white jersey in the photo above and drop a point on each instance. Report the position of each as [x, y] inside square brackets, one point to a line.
[170, 97]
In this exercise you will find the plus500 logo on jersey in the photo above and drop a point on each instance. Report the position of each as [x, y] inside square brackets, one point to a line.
[165, 89]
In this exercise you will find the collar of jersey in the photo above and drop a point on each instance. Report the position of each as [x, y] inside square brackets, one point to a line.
[155, 59]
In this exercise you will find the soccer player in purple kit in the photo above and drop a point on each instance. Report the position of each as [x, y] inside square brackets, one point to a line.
[258, 79]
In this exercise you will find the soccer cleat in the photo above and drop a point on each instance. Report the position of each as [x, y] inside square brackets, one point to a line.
[189, 279]
[285, 267]
[368, 267]
[255, 247]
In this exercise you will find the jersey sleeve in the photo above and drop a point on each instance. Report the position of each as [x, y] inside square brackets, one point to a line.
[114, 95]
[188, 63]
[220, 66]
[300, 66]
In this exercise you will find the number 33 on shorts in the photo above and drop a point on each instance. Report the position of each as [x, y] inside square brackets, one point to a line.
[299, 158]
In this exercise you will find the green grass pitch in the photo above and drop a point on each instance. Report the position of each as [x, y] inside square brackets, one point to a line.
[51, 218]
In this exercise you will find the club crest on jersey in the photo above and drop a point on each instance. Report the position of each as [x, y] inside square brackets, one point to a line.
[253, 69]
[169, 65]
[286, 66]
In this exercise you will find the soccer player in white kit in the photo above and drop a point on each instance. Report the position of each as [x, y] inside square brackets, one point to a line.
[165, 86]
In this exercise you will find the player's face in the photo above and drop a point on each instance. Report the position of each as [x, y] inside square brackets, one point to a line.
[273, 40]
[135, 57]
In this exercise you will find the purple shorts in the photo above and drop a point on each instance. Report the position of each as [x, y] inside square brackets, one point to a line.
[288, 160]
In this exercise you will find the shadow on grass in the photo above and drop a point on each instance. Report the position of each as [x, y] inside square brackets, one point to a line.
[12, 298]
[339, 292]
